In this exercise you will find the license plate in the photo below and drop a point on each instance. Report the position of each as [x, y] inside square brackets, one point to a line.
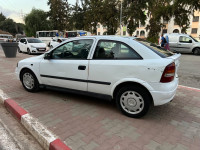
[41, 49]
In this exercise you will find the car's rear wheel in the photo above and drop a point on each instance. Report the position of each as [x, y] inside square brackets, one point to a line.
[133, 101]
[197, 51]
[29, 81]
[18, 49]
[29, 51]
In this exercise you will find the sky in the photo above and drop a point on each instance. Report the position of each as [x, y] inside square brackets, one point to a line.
[16, 9]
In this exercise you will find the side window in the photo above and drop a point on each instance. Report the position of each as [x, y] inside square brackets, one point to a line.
[78, 49]
[184, 39]
[114, 50]
[22, 40]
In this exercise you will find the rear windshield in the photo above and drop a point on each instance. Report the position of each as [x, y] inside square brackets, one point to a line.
[155, 48]
[34, 41]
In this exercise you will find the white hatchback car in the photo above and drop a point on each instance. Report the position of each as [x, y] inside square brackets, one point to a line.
[31, 45]
[133, 73]
[56, 41]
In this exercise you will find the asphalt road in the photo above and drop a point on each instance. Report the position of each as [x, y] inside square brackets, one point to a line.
[189, 70]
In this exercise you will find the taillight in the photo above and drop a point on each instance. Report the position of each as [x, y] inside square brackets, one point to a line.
[168, 74]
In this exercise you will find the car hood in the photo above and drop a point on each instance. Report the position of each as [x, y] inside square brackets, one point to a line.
[33, 59]
[38, 44]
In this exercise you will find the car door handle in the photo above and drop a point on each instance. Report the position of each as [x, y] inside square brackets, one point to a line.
[81, 67]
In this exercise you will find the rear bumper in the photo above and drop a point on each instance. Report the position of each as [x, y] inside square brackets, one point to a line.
[164, 92]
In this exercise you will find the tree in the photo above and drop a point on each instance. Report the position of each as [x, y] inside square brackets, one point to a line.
[134, 14]
[20, 28]
[36, 20]
[59, 14]
[2, 17]
[158, 11]
[93, 14]
[8, 25]
[77, 18]
[110, 16]
[182, 10]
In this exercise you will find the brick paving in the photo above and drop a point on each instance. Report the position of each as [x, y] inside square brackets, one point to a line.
[86, 123]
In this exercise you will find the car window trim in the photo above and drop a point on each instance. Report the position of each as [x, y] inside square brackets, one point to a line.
[71, 41]
[141, 58]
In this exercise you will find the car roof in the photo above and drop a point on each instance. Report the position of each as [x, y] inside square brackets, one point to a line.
[176, 34]
[106, 37]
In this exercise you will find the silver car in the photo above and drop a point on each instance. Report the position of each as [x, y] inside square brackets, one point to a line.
[183, 43]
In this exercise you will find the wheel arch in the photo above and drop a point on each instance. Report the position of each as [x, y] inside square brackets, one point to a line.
[194, 48]
[131, 83]
[26, 68]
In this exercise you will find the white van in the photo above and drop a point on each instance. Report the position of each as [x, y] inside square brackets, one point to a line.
[183, 43]
[5, 37]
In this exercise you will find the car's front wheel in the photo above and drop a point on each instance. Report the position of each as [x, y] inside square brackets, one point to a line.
[197, 51]
[18, 49]
[133, 101]
[29, 51]
[29, 81]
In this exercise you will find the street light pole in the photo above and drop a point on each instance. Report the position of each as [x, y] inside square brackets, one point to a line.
[121, 19]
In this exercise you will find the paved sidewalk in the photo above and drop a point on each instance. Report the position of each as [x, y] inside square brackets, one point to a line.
[85, 123]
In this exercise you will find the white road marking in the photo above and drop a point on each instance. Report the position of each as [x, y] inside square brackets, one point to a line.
[187, 87]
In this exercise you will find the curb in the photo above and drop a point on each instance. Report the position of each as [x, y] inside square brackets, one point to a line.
[48, 140]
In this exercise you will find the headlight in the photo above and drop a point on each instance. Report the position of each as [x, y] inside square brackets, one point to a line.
[33, 46]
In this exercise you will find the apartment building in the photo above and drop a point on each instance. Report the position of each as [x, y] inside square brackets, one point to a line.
[170, 27]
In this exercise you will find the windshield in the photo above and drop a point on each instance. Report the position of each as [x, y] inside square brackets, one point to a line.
[155, 48]
[34, 41]
[193, 39]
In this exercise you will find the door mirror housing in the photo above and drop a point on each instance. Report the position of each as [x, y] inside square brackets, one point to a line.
[190, 41]
[25, 42]
[47, 56]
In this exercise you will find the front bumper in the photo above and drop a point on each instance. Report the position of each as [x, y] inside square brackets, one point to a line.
[164, 92]
[38, 50]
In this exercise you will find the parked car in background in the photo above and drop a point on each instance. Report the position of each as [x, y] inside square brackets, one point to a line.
[183, 43]
[31, 45]
[19, 36]
[133, 72]
[55, 41]
[6, 38]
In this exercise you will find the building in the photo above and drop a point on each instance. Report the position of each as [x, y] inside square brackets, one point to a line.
[171, 27]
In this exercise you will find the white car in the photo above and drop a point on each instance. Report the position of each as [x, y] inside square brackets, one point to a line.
[56, 41]
[31, 45]
[133, 73]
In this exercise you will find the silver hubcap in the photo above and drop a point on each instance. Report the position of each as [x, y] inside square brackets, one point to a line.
[132, 102]
[28, 81]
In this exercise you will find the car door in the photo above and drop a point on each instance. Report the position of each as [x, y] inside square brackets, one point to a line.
[21, 44]
[185, 44]
[112, 61]
[66, 67]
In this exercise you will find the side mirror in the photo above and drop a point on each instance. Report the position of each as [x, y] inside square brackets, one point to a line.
[190, 41]
[47, 56]
[25, 42]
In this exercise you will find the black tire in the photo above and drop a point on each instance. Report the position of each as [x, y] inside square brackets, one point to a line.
[18, 49]
[142, 97]
[34, 85]
[196, 51]
[28, 51]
